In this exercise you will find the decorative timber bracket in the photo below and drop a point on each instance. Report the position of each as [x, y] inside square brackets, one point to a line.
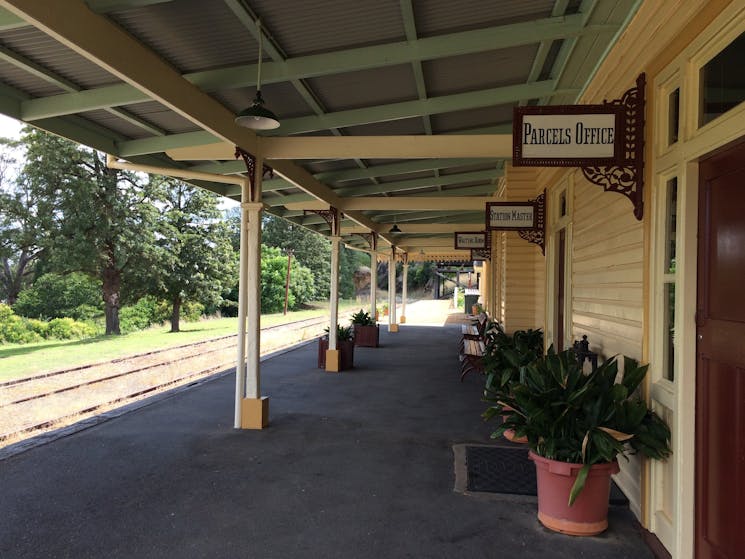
[627, 177]
[371, 238]
[330, 216]
[537, 235]
[250, 162]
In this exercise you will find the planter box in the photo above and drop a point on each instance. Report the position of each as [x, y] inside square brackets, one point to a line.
[366, 336]
[346, 349]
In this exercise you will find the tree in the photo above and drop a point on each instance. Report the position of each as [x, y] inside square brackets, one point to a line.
[23, 224]
[196, 261]
[274, 276]
[74, 295]
[310, 249]
[102, 221]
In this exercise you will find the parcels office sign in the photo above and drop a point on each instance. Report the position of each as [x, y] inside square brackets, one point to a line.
[567, 136]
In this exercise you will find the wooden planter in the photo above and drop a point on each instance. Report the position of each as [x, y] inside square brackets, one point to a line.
[346, 349]
[366, 336]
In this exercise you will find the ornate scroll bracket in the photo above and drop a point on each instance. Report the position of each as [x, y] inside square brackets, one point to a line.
[627, 178]
[330, 216]
[250, 162]
[537, 235]
[371, 239]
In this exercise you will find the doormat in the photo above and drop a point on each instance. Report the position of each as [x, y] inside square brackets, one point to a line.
[494, 469]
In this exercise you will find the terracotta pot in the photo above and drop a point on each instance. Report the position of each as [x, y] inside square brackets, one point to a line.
[346, 359]
[366, 336]
[588, 515]
[475, 310]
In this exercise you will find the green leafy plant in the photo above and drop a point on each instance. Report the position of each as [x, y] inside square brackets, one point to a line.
[506, 354]
[362, 318]
[343, 333]
[569, 416]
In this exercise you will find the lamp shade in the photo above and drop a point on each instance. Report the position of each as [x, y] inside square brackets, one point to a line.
[394, 229]
[257, 117]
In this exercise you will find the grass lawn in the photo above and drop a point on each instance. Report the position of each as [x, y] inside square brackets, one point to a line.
[19, 360]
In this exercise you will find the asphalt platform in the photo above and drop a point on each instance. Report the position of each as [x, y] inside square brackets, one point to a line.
[355, 465]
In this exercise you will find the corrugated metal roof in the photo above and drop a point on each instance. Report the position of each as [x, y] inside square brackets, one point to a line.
[118, 124]
[350, 90]
[42, 49]
[454, 74]
[304, 28]
[407, 126]
[436, 17]
[162, 117]
[184, 33]
[25, 82]
[472, 118]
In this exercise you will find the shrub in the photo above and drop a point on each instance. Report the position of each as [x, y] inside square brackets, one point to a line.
[38, 326]
[13, 329]
[74, 295]
[139, 316]
[69, 329]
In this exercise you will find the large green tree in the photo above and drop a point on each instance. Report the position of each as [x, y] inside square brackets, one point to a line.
[102, 219]
[310, 249]
[196, 260]
[274, 278]
[24, 223]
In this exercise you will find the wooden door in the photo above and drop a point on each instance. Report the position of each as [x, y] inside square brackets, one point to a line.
[720, 369]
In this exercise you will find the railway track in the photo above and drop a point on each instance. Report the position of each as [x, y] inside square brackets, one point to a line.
[51, 400]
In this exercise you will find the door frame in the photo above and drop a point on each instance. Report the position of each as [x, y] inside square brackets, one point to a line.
[681, 159]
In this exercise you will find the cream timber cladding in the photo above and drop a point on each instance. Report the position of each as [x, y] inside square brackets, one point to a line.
[524, 269]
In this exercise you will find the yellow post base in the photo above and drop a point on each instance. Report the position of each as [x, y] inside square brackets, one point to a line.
[333, 359]
[393, 327]
[254, 413]
[402, 320]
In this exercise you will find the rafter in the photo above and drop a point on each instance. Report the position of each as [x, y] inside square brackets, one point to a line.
[391, 54]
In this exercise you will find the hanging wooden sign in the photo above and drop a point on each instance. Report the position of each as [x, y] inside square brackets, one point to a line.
[606, 141]
[468, 240]
[510, 216]
[527, 218]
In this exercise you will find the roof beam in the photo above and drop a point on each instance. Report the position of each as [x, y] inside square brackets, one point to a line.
[394, 111]
[391, 54]
[371, 147]
[418, 203]
[425, 228]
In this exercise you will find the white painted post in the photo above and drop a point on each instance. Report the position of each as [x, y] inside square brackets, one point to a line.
[392, 326]
[455, 294]
[334, 296]
[240, 366]
[253, 295]
[404, 289]
[373, 283]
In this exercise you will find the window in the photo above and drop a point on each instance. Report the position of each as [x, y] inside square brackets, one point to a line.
[723, 82]
[673, 117]
[668, 279]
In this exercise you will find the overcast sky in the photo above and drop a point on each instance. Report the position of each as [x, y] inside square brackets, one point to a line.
[9, 127]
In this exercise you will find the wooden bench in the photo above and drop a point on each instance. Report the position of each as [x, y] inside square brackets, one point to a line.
[474, 331]
[472, 357]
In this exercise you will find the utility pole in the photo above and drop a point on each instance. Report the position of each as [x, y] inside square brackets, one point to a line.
[287, 280]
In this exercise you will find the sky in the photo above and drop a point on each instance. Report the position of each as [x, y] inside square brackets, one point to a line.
[9, 127]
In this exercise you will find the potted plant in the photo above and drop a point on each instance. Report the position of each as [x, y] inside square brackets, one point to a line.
[385, 309]
[577, 424]
[344, 343]
[366, 331]
[504, 357]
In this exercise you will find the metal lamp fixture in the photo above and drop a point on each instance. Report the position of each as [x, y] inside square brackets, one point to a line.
[258, 117]
[394, 229]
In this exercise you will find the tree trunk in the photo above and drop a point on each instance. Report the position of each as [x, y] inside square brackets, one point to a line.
[112, 281]
[176, 314]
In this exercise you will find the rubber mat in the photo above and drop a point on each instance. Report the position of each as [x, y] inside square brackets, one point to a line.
[493, 469]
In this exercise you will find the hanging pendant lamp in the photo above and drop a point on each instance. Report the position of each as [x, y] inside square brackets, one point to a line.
[258, 117]
[394, 229]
